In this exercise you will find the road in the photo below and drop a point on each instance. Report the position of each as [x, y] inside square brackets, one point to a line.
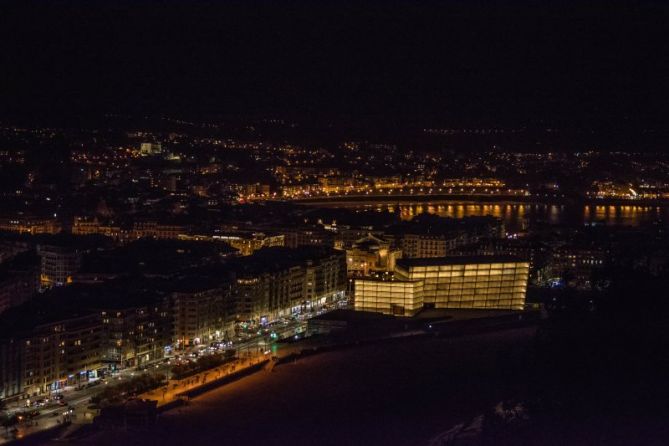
[254, 346]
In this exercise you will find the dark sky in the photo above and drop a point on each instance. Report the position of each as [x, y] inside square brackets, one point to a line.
[466, 62]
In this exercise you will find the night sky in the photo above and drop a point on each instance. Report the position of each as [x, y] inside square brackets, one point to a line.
[472, 63]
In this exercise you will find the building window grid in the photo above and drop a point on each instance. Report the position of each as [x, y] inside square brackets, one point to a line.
[482, 285]
[385, 297]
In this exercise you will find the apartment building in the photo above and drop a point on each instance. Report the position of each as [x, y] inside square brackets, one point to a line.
[277, 282]
[201, 313]
[40, 358]
[58, 264]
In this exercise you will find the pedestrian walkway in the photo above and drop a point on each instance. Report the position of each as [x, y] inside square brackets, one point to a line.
[174, 388]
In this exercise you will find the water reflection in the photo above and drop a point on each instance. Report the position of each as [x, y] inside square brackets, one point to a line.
[518, 216]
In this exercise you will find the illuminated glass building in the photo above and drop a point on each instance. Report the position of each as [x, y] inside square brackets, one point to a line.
[494, 282]
[389, 296]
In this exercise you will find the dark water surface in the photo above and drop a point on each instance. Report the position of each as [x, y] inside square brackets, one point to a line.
[518, 216]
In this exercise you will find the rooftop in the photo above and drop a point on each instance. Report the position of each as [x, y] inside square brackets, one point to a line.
[197, 281]
[80, 300]
[457, 260]
[147, 256]
[278, 258]
[387, 278]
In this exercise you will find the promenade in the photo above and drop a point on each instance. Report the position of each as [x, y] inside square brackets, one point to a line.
[176, 388]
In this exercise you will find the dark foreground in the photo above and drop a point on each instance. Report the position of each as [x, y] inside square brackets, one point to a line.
[393, 394]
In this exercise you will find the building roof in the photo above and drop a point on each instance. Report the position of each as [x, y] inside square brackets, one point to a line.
[457, 260]
[79, 300]
[385, 279]
[274, 259]
[64, 240]
[371, 238]
[148, 256]
[192, 282]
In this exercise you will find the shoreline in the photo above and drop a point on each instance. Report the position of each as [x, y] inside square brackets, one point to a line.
[501, 199]
[277, 398]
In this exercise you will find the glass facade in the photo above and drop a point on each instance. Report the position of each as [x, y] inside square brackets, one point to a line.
[475, 284]
[396, 297]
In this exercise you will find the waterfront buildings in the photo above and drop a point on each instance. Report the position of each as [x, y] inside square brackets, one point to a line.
[137, 326]
[81, 332]
[482, 282]
[202, 310]
[126, 319]
[43, 354]
[278, 282]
